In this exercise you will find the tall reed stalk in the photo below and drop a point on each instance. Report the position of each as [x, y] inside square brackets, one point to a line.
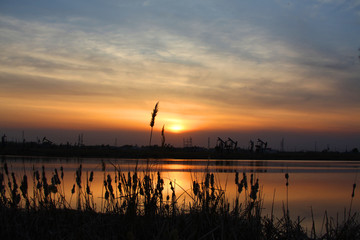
[152, 122]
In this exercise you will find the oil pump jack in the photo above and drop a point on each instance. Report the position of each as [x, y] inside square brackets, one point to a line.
[230, 144]
[46, 141]
[220, 144]
[261, 145]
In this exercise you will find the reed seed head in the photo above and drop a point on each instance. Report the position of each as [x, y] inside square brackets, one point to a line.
[153, 114]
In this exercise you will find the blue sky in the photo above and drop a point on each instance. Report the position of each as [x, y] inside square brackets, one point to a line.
[237, 65]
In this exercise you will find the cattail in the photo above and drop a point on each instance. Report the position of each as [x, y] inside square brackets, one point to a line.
[24, 188]
[244, 180]
[254, 190]
[6, 169]
[236, 178]
[62, 172]
[135, 181]
[14, 181]
[37, 175]
[160, 183]
[73, 189]
[78, 176]
[2, 186]
[45, 184]
[52, 188]
[240, 187]
[352, 197]
[91, 178]
[129, 180]
[196, 188]
[212, 180]
[207, 179]
[55, 179]
[171, 186]
[119, 187]
[287, 179]
[108, 179]
[173, 196]
[103, 166]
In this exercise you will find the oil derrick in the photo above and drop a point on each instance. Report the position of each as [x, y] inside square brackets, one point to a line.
[251, 146]
[261, 145]
[80, 140]
[230, 145]
[187, 142]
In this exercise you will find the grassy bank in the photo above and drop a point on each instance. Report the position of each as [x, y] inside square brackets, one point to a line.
[135, 206]
[34, 149]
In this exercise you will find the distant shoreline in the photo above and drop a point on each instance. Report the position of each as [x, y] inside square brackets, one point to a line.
[175, 153]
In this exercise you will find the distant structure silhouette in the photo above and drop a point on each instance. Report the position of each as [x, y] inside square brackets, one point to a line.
[80, 140]
[3, 140]
[251, 145]
[260, 146]
[46, 141]
[229, 145]
[220, 144]
[187, 142]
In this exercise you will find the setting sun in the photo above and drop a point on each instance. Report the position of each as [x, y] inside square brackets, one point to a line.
[176, 128]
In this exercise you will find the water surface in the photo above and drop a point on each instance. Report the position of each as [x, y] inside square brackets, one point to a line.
[317, 185]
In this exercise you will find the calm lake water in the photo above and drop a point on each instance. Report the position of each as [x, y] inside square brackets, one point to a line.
[320, 185]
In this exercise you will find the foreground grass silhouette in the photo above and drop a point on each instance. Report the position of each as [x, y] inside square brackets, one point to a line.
[134, 207]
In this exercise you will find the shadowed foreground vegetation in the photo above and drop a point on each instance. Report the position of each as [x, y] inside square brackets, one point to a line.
[135, 206]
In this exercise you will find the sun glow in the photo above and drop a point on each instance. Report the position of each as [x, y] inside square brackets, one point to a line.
[176, 128]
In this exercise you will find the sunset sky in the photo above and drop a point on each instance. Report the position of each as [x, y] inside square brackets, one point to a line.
[240, 69]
